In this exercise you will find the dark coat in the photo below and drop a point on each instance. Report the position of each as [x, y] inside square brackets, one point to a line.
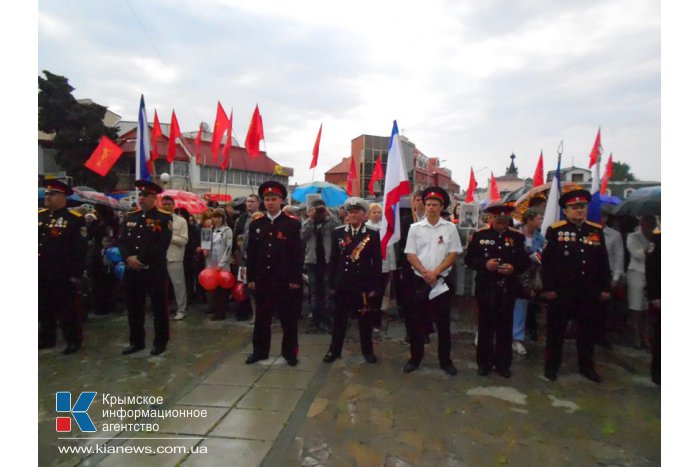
[62, 243]
[275, 253]
[653, 268]
[147, 235]
[355, 263]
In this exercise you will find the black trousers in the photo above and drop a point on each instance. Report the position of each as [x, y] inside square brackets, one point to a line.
[190, 278]
[268, 301]
[138, 285]
[347, 302]
[581, 309]
[58, 302]
[655, 316]
[421, 310]
[495, 320]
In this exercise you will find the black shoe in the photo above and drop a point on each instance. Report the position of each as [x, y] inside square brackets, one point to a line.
[449, 369]
[157, 349]
[330, 357]
[71, 348]
[550, 375]
[370, 358]
[505, 372]
[133, 349]
[46, 345]
[409, 367]
[591, 375]
[483, 371]
[252, 358]
[292, 361]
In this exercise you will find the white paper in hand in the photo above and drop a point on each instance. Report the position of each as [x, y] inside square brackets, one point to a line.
[439, 288]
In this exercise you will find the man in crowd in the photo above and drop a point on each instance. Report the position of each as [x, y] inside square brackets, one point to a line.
[62, 250]
[431, 249]
[175, 256]
[418, 206]
[144, 241]
[616, 260]
[252, 205]
[354, 275]
[575, 279]
[316, 231]
[497, 254]
[275, 255]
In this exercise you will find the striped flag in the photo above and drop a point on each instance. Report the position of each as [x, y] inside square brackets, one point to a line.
[143, 155]
[396, 185]
[552, 211]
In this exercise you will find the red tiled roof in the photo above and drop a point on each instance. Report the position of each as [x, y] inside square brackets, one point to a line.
[342, 168]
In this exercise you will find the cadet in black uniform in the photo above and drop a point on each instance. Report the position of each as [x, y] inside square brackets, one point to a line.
[575, 277]
[354, 276]
[62, 251]
[275, 259]
[497, 254]
[144, 239]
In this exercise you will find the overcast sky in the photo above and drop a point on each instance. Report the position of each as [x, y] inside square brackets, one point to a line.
[468, 82]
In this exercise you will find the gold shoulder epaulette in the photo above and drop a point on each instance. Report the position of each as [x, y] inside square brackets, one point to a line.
[486, 227]
[42, 210]
[75, 213]
[514, 229]
[594, 224]
[164, 211]
[657, 231]
[557, 224]
[133, 211]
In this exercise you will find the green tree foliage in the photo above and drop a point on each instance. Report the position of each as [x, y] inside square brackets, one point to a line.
[622, 172]
[77, 128]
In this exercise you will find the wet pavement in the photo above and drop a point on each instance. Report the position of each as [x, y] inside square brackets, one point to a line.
[348, 412]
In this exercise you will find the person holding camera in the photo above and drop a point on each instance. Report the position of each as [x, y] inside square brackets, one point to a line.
[497, 254]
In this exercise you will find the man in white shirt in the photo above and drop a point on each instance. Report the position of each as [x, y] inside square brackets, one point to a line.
[431, 249]
[175, 257]
[616, 259]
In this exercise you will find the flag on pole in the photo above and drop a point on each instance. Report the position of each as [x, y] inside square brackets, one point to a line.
[104, 156]
[396, 185]
[172, 138]
[197, 143]
[538, 179]
[157, 133]
[314, 161]
[594, 212]
[143, 168]
[228, 143]
[494, 193]
[551, 210]
[607, 176]
[352, 175]
[470, 189]
[255, 134]
[377, 174]
[596, 151]
[220, 125]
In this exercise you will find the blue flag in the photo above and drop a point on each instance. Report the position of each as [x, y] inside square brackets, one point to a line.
[143, 153]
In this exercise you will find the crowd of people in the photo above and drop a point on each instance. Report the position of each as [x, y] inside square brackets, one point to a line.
[573, 274]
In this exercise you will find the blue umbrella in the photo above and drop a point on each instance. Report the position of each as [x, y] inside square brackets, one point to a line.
[613, 200]
[333, 195]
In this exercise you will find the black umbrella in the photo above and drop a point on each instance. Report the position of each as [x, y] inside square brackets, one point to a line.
[645, 205]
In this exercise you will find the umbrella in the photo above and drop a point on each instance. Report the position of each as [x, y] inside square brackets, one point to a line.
[333, 195]
[640, 205]
[95, 197]
[186, 200]
[613, 200]
[523, 202]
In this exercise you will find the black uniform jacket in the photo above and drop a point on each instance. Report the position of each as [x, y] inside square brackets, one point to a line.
[62, 243]
[575, 261]
[506, 247]
[356, 262]
[275, 252]
[147, 235]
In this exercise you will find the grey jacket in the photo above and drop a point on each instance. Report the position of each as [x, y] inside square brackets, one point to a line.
[309, 237]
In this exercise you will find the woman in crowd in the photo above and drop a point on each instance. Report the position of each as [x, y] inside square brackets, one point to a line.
[101, 234]
[219, 258]
[389, 267]
[638, 243]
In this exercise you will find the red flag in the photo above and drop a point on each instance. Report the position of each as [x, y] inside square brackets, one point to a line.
[227, 144]
[494, 195]
[314, 161]
[197, 143]
[157, 133]
[470, 190]
[104, 156]
[377, 174]
[538, 179]
[255, 134]
[172, 138]
[352, 175]
[608, 175]
[596, 151]
[220, 125]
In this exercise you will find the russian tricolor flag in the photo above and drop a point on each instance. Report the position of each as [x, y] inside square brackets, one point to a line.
[396, 185]
[143, 154]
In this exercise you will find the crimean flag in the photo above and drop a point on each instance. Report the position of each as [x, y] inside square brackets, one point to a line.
[104, 156]
[352, 175]
[607, 176]
[494, 194]
[157, 133]
[314, 161]
[377, 174]
[220, 125]
[396, 185]
[255, 134]
[538, 179]
[596, 151]
[472, 186]
[552, 212]
[228, 143]
[143, 154]
[197, 144]
[172, 138]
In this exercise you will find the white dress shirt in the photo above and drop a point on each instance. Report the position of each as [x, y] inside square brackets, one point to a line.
[432, 243]
[616, 252]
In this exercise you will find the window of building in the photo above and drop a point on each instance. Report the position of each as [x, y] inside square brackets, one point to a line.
[577, 177]
[628, 192]
[181, 169]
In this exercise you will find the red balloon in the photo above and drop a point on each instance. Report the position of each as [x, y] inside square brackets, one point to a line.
[239, 292]
[209, 279]
[226, 279]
